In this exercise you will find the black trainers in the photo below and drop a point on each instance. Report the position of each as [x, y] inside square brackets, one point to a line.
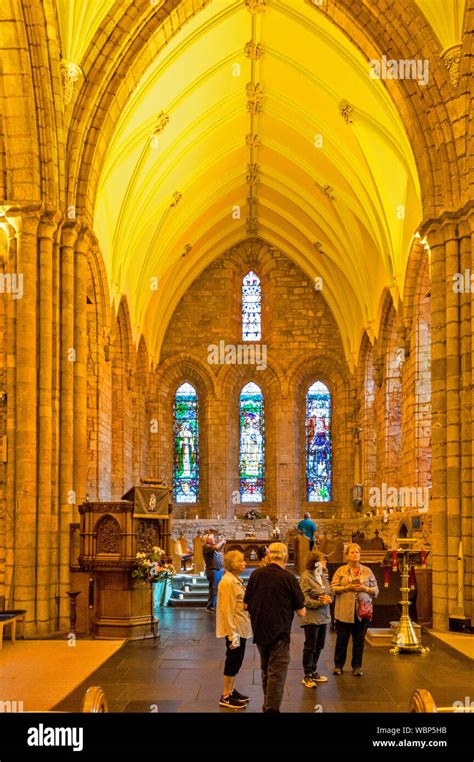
[240, 697]
[231, 703]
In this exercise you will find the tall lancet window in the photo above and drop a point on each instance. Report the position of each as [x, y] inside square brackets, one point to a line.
[318, 444]
[251, 308]
[186, 445]
[252, 444]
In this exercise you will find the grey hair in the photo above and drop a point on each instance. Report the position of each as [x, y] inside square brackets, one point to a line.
[231, 559]
[278, 551]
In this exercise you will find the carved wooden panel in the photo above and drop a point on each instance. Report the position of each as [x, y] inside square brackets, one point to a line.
[147, 535]
[108, 535]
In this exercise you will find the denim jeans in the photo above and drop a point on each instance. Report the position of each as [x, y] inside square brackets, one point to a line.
[274, 661]
[314, 639]
[213, 577]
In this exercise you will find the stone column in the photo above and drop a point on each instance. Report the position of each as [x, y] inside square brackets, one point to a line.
[342, 478]
[219, 495]
[288, 466]
[453, 431]
[10, 486]
[81, 267]
[466, 407]
[56, 424]
[67, 360]
[26, 435]
[438, 429]
[450, 239]
[46, 232]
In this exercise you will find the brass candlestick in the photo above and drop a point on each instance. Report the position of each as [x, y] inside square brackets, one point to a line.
[405, 638]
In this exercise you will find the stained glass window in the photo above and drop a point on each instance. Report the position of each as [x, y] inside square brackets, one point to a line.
[252, 447]
[318, 444]
[251, 308]
[186, 445]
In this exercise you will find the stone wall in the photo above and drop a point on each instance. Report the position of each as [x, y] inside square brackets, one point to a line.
[302, 342]
[388, 528]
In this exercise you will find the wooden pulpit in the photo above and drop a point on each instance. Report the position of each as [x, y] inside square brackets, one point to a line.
[111, 534]
[301, 551]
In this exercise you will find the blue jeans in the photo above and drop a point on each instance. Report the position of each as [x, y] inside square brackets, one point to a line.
[214, 576]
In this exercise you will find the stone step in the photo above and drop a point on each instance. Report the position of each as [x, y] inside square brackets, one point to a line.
[199, 593]
[187, 602]
[382, 637]
[181, 580]
[379, 637]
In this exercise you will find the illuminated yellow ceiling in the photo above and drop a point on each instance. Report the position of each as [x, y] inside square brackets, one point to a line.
[78, 22]
[309, 68]
[446, 18]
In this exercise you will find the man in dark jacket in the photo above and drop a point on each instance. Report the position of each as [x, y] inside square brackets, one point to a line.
[213, 561]
[272, 597]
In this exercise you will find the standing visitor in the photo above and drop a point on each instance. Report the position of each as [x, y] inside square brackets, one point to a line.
[213, 561]
[317, 597]
[263, 555]
[354, 586]
[272, 597]
[308, 528]
[233, 624]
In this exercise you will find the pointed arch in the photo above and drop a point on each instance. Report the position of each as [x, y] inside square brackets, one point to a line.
[251, 307]
[318, 443]
[252, 444]
[186, 444]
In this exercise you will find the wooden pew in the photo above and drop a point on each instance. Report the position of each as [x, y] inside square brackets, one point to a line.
[20, 618]
[8, 619]
[423, 701]
[94, 700]
[181, 555]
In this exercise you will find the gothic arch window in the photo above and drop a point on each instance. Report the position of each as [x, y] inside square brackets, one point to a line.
[318, 444]
[186, 445]
[251, 307]
[251, 444]
[393, 403]
[423, 381]
[369, 422]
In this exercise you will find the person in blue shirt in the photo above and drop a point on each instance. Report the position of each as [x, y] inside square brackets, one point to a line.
[308, 528]
[213, 560]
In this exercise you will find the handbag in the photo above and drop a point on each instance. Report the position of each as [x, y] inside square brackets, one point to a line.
[365, 610]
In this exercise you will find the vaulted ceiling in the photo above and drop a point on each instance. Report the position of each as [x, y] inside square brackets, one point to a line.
[335, 183]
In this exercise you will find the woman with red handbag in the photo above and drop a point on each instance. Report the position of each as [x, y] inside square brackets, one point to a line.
[354, 586]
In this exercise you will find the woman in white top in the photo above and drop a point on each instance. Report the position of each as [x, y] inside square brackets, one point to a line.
[233, 624]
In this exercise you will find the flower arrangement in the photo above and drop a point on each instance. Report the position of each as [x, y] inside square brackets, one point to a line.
[253, 514]
[153, 566]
